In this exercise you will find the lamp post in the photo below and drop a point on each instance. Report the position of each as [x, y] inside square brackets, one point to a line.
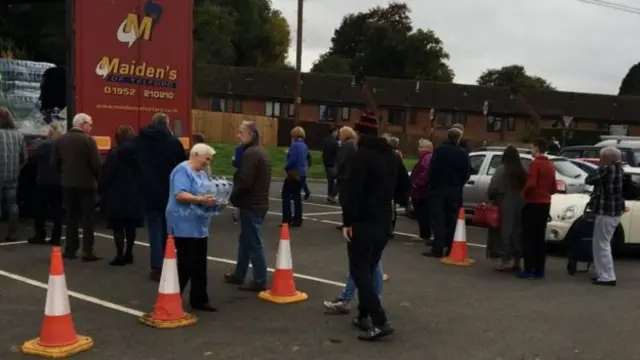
[298, 88]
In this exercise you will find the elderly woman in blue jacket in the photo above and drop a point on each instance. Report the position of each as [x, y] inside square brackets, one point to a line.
[189, 212]
[296, 177]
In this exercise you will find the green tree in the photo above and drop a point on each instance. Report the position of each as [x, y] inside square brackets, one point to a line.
[631, 82]
[513, 76]
[382, 42]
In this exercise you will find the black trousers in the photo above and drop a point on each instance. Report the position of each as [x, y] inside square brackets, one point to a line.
[534, 228]
[192, 267]
[423, 215]
[332, 188]
[445, 205]
[80, 206]
[48, 203]
[365, 250]
[122, 235]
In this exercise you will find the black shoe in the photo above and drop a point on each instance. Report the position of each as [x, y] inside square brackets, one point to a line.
[363, 324]
[603, 283]
[53, 242]
[295, 224]
[117, 261]
[376, 332]
[204, 307]
[307, 196]
[155, 276]
[70, 256]
[36, 240]
[128, 258]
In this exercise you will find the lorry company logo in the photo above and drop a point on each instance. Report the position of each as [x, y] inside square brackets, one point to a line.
[136, 27]
[113, 69]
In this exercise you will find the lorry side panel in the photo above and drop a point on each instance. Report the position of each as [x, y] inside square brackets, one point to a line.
[133, 59]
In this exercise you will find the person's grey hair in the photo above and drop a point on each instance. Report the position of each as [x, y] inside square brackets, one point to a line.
[454, 134]
[160, 119]
[252, 127]
[611, 153]
[393, 141]
[81, 119]
[458, 126]
[425, 143]
[202, 149]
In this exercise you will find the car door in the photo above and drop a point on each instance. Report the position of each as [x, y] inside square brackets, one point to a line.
[472, 194]
[493, 161]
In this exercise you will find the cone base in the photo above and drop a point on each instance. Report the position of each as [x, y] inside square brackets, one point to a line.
[299, 296]
[32, 347]
[463, 263]
[187, 320]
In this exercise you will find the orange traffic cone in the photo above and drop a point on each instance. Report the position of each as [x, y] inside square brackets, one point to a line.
[168, 312]
[459, 254]
[283, 286]
[58, 338]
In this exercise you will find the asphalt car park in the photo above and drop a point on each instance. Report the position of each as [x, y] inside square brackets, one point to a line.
[439, 311]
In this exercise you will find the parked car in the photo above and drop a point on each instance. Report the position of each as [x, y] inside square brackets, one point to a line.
[569, 177]
[584, 165]
[629, 146]
[565, 209]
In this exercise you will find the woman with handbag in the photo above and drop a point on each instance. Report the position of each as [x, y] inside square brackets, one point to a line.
[504, 241]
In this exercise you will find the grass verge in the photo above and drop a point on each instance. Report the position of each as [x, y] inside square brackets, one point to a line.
[221, 164]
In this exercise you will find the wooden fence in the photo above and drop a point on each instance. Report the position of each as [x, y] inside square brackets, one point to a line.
[223, 127]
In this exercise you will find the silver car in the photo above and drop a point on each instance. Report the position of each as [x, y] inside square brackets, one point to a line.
[569, 177]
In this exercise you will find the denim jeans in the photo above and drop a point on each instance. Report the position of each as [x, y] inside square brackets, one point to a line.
[350, 290]
[157, 228]
[9, 202]
[251, 248]
[291, 192]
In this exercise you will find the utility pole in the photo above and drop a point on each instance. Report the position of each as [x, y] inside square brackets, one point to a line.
[298, 88]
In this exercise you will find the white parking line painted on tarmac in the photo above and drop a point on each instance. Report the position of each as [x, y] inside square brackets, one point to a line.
[13, 243]
[232, 262]
[324, 213]
[73, 294]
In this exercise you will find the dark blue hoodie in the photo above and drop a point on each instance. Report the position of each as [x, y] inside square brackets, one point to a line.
[157, 152]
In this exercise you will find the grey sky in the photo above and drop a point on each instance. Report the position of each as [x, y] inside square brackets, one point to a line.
[576, 46]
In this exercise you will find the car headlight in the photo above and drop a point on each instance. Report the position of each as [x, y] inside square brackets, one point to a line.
[569, 213]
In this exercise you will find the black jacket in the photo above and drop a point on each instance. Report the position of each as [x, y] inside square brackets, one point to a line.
[46, 173]
[449, 166]
[464, 144]
[376, 178]
[157, 153]
[343, 159]
[330, 151]
[120, 187]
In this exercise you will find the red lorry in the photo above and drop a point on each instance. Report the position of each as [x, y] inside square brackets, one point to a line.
[131, 59]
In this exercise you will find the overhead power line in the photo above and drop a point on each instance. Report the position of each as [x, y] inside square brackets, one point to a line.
[613, 5]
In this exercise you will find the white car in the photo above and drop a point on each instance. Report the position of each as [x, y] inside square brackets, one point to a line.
[566, 208]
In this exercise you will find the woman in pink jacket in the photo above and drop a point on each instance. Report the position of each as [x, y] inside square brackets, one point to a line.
[420, 188]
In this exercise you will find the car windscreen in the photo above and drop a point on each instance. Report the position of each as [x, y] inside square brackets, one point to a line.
[566, 168]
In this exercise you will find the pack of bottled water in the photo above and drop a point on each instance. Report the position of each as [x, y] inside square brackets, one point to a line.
[221, 189]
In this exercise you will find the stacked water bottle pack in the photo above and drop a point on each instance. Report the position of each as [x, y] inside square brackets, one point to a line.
[221, 189]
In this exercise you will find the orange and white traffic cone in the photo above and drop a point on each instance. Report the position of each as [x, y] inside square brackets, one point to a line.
[168, 312]
[283, 286]
[459, 254]
[58, 338]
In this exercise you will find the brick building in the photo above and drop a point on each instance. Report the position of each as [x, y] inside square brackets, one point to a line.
[410, 107]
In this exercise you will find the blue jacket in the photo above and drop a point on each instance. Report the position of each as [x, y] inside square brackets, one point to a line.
[237, 156]
[297, 157]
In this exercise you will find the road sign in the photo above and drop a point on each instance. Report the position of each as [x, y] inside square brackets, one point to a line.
[567, 120]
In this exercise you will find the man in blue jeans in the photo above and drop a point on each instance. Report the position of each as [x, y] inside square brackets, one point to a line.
[158, 152]
[250, 195]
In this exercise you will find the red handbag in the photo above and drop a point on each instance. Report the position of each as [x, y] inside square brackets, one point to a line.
[486, 215]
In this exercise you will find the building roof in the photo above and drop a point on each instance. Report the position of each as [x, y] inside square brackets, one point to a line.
[268, 84]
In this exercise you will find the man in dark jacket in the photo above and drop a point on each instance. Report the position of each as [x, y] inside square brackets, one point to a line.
[157, 152]
[448, 173]
[76, 157]
[250, 195]
[377, 177]
[329, 154]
